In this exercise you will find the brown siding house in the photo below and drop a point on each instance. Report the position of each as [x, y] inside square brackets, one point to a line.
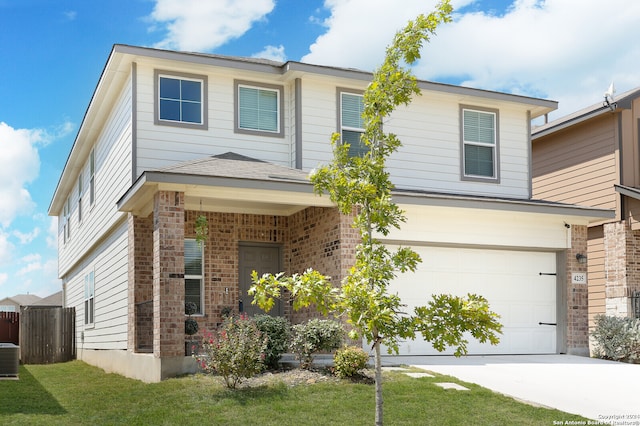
[591, 158]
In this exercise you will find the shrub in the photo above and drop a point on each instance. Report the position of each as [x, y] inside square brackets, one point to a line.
[314, 336]
[616, 338]
[190, 325]
[235, 352]
[349, 361]
[278, 332]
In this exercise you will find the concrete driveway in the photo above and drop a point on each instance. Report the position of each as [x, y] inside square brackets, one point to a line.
[593, 388]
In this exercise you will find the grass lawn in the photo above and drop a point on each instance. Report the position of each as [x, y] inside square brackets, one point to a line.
[76, 393]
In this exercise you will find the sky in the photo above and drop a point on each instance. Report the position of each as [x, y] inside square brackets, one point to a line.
[52, 54]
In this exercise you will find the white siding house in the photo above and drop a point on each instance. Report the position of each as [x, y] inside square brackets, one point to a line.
[169, 136]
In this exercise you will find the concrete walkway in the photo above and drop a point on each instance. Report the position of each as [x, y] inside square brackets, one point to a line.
[596, 389]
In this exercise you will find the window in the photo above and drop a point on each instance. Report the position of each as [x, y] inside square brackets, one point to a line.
[193, 276]
[181, 100]
[66, 219]
[80, 189]
[89, 293]
[92, 177]
[479, 142]
[351, 123]
[258, 108]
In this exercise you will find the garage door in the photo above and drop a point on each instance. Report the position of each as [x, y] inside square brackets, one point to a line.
[510, 280]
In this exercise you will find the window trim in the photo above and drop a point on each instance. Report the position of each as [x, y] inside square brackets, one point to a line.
[66, 227]
[496, 150]
[204, 125]
[92, 177]
[237, 84]
[200, 277]
[89, 280]
[80, 193]
[339, 92]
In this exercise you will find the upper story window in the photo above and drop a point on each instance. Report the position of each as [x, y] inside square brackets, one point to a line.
[351, 124]
[92, 177]
[80, 191]
[66, 220]
[258, 108]
[480, 138]
[181, 100]
[193, 274]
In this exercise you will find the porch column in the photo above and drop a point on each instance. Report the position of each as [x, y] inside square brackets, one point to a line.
[622, 270]
[577, 295]
[168, 274]
[140, 287]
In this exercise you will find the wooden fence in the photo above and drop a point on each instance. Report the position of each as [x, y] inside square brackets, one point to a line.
[47, 335]
[9, 327]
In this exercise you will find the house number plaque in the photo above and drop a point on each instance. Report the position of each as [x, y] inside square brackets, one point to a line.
[578, 278]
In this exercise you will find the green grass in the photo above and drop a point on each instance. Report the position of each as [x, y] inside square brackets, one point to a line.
[76, 393]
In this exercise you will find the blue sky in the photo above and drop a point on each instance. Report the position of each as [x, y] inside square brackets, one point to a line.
[52, 54]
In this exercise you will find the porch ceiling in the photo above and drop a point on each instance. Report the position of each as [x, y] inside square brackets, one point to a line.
[280, 197]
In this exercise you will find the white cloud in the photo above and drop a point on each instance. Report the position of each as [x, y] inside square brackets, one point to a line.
[52, 233]
[3, 278]
[34, 257]
[275, 53]
[6, 249]
[196, 25]
[19, 166]
[70, 15]
[567, 51]
[28, 237]
[31, 267]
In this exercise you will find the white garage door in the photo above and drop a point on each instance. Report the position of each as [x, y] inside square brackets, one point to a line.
[511, 282]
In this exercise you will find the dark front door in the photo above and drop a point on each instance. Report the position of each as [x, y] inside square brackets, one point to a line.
[262, 259]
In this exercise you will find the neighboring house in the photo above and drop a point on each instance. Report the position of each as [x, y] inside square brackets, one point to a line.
[12, 304]
[52, 301]
[592, 158]
[170, 136]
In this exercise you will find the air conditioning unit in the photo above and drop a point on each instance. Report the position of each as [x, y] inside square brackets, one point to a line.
[9, 360]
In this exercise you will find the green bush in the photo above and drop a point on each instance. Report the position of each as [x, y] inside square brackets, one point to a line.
[349, 361]
[616, 338]
[278, 332]
[314, 336]
[235, 352]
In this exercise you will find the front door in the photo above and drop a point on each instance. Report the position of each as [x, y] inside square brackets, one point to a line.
[262, 259]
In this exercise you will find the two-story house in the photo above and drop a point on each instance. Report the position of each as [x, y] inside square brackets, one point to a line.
[592, 158]
[171, 136]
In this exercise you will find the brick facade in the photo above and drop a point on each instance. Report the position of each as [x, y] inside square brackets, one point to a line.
[622, 267]
[314, 237]
[577, 295]
[168, 274]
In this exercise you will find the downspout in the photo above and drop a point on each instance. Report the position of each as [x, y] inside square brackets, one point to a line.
[530, 153]
[134, 121]
[298, 122]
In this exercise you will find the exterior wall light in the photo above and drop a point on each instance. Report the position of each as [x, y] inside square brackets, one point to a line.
[581, 258]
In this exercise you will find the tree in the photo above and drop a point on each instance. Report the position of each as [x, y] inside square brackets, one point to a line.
[362, 185]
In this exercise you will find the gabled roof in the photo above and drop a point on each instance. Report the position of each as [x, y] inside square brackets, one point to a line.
[54, 299]
[237, 166]
[23, 299]
[595, 110]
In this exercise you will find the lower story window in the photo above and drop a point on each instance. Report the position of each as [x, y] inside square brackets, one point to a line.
[89, 298]
[193, 275]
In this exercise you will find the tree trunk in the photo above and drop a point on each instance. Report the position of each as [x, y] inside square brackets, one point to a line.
[378, 365]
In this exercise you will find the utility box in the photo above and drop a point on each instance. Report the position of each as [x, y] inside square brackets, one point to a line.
[9, 360]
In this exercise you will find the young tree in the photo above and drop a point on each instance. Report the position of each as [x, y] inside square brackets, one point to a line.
[362, 185]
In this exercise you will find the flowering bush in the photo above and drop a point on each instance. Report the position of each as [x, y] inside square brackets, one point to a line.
[349, 361]
[315, 335]
[235, 352]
